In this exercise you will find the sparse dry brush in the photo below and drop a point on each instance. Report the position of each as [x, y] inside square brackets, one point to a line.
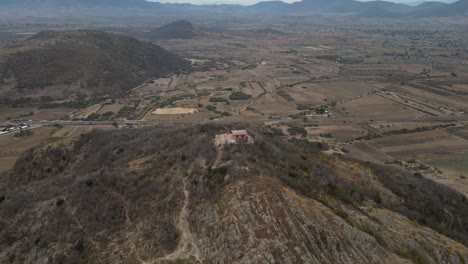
[87, 192]
[427, 202]
[123, 190]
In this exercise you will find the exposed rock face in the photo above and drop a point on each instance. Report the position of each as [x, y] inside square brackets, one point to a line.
[260, 221]
[151, 196]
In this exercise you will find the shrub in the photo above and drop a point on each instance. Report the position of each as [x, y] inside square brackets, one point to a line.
[218, 100]
[126, 112]
[297, 130]
[239, 96]
[277, 131]
[211, 108]
[285, 95]
[302, 107]
[93, 116]
[326, 135]
[59, 202]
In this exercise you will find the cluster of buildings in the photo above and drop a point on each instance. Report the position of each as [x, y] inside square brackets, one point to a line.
[12, 128]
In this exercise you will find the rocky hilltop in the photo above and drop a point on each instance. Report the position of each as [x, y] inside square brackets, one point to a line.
[151, 195]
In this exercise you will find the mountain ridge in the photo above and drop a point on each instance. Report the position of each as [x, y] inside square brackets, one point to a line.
[302, 7]
[77, 3]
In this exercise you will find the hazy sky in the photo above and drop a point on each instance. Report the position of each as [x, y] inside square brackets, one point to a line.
[250, 2]
[201, 2]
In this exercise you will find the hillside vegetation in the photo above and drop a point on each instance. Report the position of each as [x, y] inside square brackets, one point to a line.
[152, 195]
[81, 63]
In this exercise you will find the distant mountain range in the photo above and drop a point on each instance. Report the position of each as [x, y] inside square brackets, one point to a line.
[76, 3]
[378, 9]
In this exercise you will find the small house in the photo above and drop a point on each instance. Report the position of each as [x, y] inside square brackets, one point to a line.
[240, 137]
[239, 134]
[234, 137]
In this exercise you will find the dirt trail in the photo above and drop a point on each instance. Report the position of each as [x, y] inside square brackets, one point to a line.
[187, 248]
[219, 142]
[71, 210]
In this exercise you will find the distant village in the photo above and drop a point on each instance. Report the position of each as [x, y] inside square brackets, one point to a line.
[13, 129]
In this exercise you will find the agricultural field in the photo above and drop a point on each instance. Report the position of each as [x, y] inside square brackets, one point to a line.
[11, 147]
[373, 106]
[460, 131]
[114, 108]
[34, 114]
[161, 85]
[426, 143]
[442, 149]
[365, 152]
[67, 133]
[442, 98]
[454, 168]
[9, 113]
[340, 132]
[174, 111]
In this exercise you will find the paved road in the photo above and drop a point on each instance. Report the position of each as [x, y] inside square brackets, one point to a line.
[232, 121]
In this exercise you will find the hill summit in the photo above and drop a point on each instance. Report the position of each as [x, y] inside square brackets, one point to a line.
[180, 29]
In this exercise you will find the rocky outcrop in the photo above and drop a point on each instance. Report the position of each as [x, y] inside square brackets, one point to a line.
[260, 221]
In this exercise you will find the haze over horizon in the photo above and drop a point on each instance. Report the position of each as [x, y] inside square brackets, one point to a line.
[252, 2]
